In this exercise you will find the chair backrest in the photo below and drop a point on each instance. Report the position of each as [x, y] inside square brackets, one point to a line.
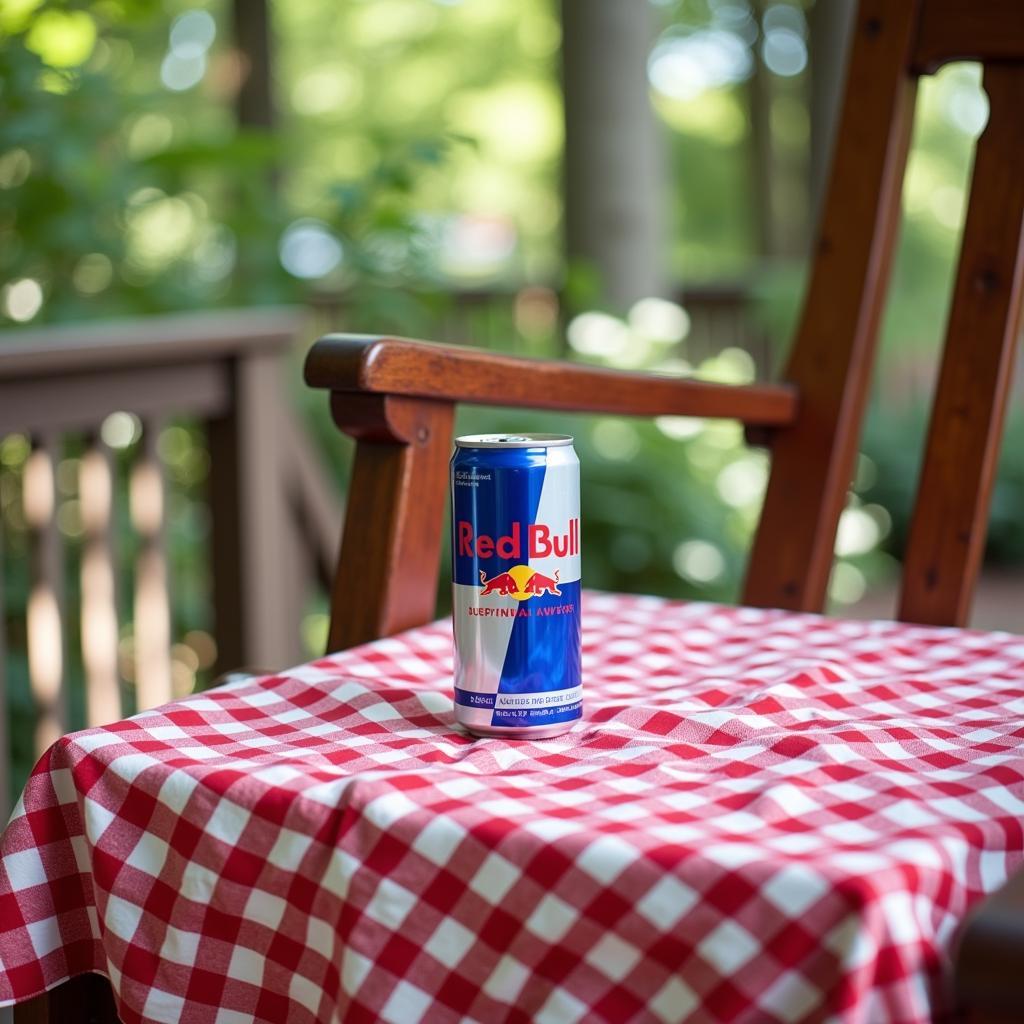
[397, 397]
[895, 42]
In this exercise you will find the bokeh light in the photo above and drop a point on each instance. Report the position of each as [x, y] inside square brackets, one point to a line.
[93, 273]
[784, 52]
[22, 299]
[698, 561]
[309, 250]
[598, 334]
[659, 320]
[476, 246]
[181, 73]
[848, 584]
[192, 34]
[858, 532]
[685, 64]
[121, 430]
[63, 39]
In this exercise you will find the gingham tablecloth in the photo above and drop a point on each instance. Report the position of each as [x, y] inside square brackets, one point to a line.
[764, 817]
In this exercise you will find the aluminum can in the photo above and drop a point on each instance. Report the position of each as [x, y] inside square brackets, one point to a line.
[516, 584]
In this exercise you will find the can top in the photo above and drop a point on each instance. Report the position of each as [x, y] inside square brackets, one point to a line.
[512, 440]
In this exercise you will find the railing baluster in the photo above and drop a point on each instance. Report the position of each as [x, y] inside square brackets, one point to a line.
[99, 599]
[46, 597]
[152, 602]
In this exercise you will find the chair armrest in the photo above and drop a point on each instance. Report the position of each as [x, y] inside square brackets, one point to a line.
[989, 961]
[417, 369]
[397, 399]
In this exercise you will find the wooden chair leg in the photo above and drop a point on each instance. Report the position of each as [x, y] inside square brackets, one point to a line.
[391, 547]
[87, 999]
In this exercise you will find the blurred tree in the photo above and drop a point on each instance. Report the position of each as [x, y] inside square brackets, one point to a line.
[417, 145]
[614, 180]
[831, 25]
[778, 129]
[250, 20]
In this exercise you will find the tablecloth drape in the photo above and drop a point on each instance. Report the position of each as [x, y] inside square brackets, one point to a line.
[763, 817]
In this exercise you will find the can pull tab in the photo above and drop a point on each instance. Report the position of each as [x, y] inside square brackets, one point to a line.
[506, 438]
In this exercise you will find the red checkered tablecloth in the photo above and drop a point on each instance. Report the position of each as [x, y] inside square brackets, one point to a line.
[763, 817]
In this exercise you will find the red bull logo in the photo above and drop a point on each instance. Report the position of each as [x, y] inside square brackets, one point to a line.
[520, 582]
[540, 542]
[503, 584]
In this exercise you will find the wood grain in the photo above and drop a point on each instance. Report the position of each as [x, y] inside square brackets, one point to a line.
[832, 357]
[950, 520]
[257, 579]
[949, 30]
[398, 366]
[146, 341]
[391, 544]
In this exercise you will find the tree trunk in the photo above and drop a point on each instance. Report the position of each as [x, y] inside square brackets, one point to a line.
[255, 102]
[614, 167]
[763, 164]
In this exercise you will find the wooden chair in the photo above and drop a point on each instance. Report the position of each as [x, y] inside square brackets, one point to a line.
[397, 399]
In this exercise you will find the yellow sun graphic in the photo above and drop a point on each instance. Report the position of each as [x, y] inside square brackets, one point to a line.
[521, 574]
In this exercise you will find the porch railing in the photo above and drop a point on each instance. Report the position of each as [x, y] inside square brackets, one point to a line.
[273, 517]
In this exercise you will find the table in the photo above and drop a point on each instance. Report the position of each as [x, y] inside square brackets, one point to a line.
[764, 816]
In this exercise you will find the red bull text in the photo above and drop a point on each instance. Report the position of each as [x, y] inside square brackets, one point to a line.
[516, 584]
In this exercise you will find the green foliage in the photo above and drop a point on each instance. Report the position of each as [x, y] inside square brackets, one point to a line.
[400, 124]
[894, 442]
[120, 194]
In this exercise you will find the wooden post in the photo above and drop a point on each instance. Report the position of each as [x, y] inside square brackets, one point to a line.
[257, 567]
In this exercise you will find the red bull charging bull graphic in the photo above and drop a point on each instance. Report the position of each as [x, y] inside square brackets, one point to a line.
[516, 584]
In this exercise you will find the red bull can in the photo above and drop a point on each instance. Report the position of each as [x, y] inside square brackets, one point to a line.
[516, 584]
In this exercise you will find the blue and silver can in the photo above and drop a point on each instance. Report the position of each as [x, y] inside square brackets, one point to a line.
[516, 584]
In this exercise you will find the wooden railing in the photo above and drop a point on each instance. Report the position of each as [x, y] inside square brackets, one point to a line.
[274, 520]
[274, 515]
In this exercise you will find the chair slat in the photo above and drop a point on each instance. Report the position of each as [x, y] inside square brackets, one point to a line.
[152, 612]
[947, 534]
[99, 597]
[46, 596]
[832, 358]
[955, 30]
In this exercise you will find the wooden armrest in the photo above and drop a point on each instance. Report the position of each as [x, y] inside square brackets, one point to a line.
[417, 369]
[397, 399]
[989, 960]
